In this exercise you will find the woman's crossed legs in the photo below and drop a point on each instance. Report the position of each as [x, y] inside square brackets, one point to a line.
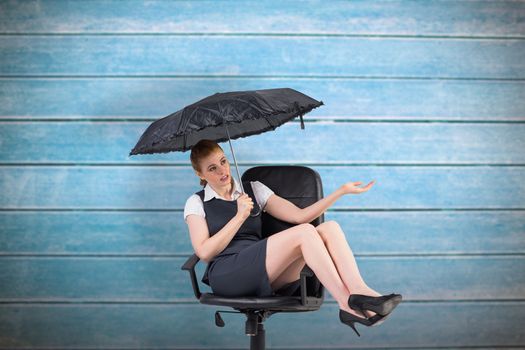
[325, 249]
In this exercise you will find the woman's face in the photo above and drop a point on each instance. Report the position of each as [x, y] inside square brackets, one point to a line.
[215, 169]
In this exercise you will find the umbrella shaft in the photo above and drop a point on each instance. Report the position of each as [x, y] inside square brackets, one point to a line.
[234, 160]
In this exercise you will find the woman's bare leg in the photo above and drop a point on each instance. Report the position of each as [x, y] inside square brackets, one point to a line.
[290, 274]
[284, 247]
[337, 245]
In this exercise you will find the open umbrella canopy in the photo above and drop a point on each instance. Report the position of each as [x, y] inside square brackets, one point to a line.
[224, 116]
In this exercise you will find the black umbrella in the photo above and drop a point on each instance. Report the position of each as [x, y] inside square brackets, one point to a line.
[225, 116]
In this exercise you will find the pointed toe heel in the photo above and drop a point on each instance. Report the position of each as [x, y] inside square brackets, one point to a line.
[382, 305]
[376, 320]
[349, 319]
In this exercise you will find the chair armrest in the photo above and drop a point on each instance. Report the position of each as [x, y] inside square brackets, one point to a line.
[189, 265]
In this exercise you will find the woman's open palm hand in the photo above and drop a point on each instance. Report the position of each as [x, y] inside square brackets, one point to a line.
[351, 187]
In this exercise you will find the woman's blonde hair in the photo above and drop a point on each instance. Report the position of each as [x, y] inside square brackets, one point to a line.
[201, 150]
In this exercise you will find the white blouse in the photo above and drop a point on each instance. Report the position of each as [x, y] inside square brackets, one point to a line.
[194, 203]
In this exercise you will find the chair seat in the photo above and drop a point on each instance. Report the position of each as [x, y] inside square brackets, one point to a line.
[280, 303]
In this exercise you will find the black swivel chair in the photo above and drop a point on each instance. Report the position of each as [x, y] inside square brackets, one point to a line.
[302, 186]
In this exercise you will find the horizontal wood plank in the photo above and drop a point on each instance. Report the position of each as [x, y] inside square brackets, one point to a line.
[319, 142]
[166, 233]
[412, 325]
[156, 188]
[470, 18]
[344, 98]
[276, 56]
[136, 279]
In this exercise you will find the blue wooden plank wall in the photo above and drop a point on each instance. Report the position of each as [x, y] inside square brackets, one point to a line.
[426, 97]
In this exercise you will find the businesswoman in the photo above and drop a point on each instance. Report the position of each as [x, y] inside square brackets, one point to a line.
[241, 263]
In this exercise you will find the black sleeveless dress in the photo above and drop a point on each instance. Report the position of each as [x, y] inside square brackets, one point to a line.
[240, 269]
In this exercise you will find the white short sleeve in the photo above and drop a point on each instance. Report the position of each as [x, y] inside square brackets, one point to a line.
[194, 206]
[261, 193]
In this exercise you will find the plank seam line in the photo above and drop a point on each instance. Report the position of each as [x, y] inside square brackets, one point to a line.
[326, 120]
[273, 34]
[186, 255]
[323, 120]
[184, 165]
[329, 209]
[197, 76]
[189, 301]
[473, 347]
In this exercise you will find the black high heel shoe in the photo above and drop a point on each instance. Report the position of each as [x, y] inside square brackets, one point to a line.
[377, 319]
[381, 305]
[349, 319]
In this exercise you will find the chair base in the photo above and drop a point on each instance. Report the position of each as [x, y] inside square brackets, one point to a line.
[258, 341]
[254, 326]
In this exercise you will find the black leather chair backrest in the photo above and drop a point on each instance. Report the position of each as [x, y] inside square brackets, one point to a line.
[300, 185]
